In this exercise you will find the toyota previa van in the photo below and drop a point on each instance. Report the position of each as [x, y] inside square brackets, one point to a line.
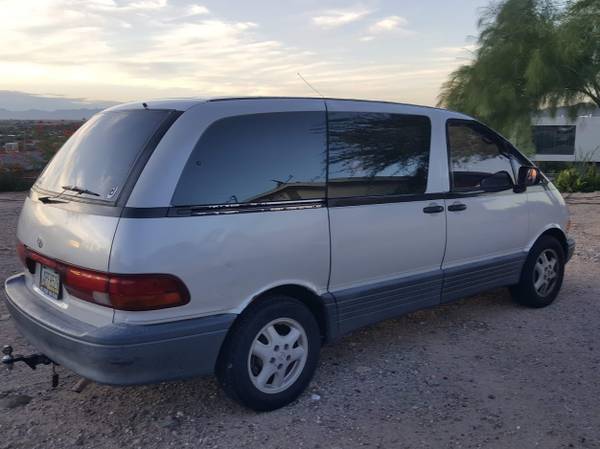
[235, 236]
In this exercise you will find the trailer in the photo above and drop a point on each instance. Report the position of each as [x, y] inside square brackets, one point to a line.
[560, 138]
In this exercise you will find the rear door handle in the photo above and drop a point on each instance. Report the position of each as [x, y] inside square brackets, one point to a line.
[433, 209]
[457, 207]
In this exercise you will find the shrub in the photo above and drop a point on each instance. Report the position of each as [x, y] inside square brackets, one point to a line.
[584, 178]
[590, 180]
[14, 180]
[567, 180]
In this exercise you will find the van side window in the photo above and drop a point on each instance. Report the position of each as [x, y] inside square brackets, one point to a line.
[476, 153]
[374, 154]
[257, 158]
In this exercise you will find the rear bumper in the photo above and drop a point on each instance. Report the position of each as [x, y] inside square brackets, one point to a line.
[570, 248]
[118, 354]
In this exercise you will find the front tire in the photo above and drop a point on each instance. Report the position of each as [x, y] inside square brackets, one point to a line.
[542, 275]
[271, 354]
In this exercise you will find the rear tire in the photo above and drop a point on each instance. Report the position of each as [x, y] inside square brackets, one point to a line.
[542, 275]
[271, 354]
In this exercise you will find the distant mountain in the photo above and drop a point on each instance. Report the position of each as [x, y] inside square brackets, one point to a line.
[25, 106]
[37, 114]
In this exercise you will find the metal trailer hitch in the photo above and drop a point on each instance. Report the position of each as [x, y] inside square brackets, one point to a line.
[32, 361]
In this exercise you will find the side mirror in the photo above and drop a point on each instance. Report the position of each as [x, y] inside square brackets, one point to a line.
[528, 176]
[497, 182]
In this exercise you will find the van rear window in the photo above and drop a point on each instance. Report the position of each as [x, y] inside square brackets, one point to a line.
[100, 156]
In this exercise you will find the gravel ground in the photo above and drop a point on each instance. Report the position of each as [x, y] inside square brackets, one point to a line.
[482, 372]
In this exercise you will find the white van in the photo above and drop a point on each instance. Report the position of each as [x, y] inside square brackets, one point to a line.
[236, 236]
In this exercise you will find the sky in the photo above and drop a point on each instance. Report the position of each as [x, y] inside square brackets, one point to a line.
[114, 50]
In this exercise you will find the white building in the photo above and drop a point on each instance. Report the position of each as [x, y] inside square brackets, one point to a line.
[562, 139]
[11, 147]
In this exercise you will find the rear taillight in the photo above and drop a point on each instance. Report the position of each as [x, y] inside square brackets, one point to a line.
[88, 285]
[118, 291]
[27, 262]
[143, 292]
[21, 252]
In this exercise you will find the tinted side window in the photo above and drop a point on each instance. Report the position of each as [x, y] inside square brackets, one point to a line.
[475, 154]
[554, 139]
[257, 158]
[377, 154]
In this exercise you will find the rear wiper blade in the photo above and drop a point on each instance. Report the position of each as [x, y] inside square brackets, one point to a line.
[57, 199]
[80, 190]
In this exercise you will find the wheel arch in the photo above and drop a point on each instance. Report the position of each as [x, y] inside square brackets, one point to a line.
[322, 307]
[552, 231]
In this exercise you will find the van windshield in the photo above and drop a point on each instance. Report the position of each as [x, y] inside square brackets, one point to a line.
[100, 155]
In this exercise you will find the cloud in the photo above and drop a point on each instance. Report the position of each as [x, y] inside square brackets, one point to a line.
[388, 24]
[196, 10]
[335, 19]
[454, 54]
[148, 4]
[110, 49]
[140, 5]
[456, 51]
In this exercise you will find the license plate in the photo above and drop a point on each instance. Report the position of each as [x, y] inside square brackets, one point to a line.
[50, 282]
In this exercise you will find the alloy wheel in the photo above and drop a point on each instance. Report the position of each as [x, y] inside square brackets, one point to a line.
[277, 355]
[545, 272]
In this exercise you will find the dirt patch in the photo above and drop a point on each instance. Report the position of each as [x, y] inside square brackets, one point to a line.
[482, 372]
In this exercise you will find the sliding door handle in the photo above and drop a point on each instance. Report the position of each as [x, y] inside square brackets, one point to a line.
[457, 207]
[433, 209]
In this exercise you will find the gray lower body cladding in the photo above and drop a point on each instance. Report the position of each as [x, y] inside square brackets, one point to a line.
[477, 277]
[361, 306]
[364, 305]
[118, 354]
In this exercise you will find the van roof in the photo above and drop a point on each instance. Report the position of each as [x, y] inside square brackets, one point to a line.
[182, 104]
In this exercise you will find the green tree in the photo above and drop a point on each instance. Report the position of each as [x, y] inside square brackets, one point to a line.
[578, 55]
[531, 54]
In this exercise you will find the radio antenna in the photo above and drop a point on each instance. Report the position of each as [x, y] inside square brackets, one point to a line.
[310, 85]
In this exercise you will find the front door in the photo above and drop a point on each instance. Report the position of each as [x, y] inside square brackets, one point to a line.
[486, 231]
[387, 237]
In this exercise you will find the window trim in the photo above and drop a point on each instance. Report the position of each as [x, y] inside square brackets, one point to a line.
[385, 198]
[234, 209]
[504, 144]
[221, 209]
[144, 157]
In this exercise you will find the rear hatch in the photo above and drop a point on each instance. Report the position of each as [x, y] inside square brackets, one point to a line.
[71, 215]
